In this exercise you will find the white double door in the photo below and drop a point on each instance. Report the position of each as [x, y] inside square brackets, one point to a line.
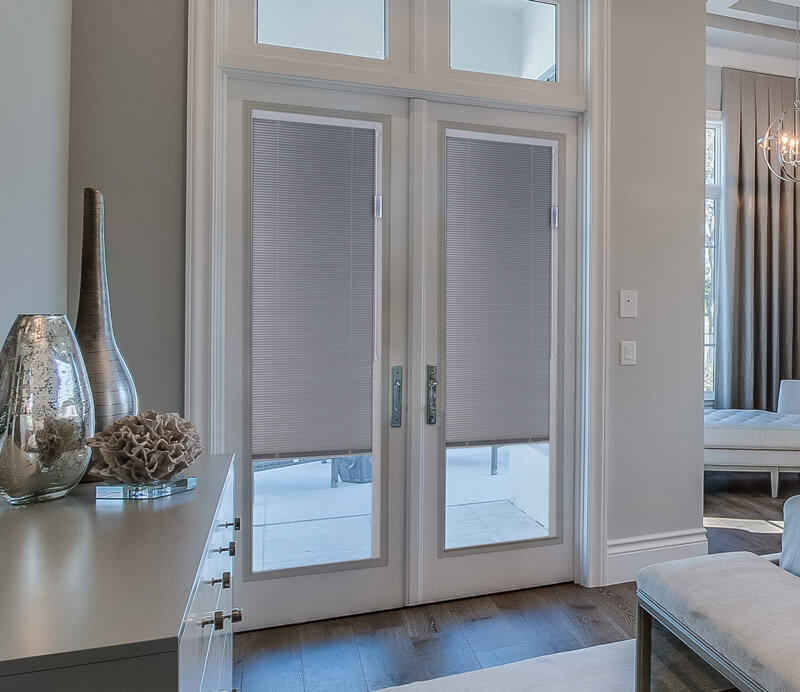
[400, 349]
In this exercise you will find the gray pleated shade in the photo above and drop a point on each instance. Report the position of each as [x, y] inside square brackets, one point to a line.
[498, 275]
[312, 264]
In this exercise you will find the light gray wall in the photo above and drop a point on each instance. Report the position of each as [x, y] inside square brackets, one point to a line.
[34, 145]
[655, 410]
[128, 137]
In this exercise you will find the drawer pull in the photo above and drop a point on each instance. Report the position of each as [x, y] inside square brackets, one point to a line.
[218, 619]
[236, 524]
[225, 580]
[230, 549]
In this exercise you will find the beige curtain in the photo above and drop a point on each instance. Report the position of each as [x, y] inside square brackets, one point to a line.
[758, 331]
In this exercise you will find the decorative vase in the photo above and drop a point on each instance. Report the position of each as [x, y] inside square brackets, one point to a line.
[112, 385]
[46, 410]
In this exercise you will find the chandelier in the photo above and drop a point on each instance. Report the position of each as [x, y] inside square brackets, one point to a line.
[781, 143]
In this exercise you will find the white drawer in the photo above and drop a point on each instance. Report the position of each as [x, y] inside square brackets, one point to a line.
[218, 674]
[205, 653]
[193, 648]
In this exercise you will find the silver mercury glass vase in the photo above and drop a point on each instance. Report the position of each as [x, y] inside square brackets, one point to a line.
[112, 385]
[46, 410]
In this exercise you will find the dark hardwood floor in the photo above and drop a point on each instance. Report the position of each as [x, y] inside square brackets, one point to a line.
[741, 515]
[369, 652]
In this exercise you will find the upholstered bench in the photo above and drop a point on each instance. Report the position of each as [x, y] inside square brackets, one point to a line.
[740, 612]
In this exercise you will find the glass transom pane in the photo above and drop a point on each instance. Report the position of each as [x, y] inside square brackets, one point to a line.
[514, 38]
[349, 27]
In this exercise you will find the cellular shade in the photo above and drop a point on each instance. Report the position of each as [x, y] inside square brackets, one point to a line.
[312, 264]
[498, 237]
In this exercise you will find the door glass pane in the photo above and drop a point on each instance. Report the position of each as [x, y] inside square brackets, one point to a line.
[497, 356]
[497, 494]
[515, 38]
[350, 27]
[313, 325]
[312, 511]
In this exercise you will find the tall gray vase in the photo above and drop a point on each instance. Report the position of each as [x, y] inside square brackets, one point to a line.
[112, 385]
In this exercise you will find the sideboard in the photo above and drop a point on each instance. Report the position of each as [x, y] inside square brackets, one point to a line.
[121, 596]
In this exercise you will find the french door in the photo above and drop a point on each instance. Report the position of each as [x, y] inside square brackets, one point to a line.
[397, 347]
[494, 343]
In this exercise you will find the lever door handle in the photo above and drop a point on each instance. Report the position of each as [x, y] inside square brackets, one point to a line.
[397, 396]
[432, 387]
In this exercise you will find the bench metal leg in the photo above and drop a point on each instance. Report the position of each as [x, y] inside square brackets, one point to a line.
[644, 635]
[774, 477]
[493, 468]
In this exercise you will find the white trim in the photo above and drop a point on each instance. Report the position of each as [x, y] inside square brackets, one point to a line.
[417, 338]
[754, 62]
[626, 556]
[591, 481]
[205, 218]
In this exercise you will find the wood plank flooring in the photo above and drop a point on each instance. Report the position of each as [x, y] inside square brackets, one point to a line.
[370, 652]
[731, 496]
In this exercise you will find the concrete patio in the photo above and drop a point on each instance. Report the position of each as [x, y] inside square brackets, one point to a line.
[299, 519]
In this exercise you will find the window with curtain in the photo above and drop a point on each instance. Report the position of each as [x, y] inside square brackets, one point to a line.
[713, 208]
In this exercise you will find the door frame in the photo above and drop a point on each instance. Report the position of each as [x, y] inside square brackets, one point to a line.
[204, 376]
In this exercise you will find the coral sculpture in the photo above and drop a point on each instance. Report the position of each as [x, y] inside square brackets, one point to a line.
[146, 448]
[54, 439]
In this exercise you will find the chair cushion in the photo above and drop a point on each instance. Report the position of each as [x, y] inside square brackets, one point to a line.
[744, 607]
[790, 548]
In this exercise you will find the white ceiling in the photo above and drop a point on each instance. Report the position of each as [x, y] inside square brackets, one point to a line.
[770, 12]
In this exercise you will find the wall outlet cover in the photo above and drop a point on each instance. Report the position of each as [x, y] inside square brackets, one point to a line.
[628, 303]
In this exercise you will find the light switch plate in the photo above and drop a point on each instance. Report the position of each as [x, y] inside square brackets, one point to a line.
[628, 303]
[627, 353]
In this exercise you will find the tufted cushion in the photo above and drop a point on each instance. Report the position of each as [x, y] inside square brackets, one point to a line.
[742, 429]
[741, 605]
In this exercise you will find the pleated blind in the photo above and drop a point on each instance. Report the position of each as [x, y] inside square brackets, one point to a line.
[498, 200]
[312, 254]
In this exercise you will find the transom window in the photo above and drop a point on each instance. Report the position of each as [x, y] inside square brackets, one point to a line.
[348, 27]
[514, 38]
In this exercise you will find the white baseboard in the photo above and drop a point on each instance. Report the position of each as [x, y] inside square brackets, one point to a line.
[626, 556]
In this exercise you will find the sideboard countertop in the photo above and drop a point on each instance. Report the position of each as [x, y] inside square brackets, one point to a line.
[84, 581]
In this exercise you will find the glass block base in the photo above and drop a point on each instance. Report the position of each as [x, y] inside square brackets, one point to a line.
[144, 491]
